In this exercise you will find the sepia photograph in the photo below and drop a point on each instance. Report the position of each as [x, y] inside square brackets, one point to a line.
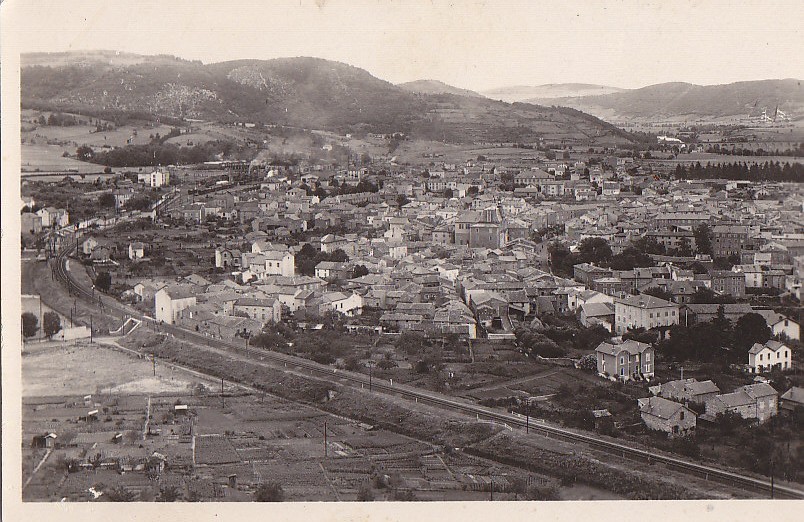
[386, 259]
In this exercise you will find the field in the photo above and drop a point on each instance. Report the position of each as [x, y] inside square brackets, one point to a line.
[48, 158]
[81, 369]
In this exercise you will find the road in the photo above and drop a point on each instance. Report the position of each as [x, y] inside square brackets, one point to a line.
[451, 403]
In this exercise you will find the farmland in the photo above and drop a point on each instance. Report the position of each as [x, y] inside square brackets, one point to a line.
[239, 440]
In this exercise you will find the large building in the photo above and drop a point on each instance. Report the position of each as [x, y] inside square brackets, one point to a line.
[643, 311]
[728, 240]
[170, 301]
[626, 361]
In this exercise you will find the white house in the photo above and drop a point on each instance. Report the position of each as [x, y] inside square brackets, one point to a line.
[171, 300]
[764, 357]
[89, 245]
[780, 325]
[159, 178]
[643, 311]
[279, 263]
[136, 250]
[265, 310]
[340, 302]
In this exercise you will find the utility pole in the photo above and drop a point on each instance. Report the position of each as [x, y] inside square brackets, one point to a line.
[771, 474]
[325, 439]
[370, 367]
[90, 328]
[223, 399]
[153, 360]
[527, 417]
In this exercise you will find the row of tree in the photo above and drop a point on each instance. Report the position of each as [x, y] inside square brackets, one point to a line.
[768, 171]
[51, 324]
[157, 153]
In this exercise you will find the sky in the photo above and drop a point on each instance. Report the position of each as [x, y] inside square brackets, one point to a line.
[471, 44]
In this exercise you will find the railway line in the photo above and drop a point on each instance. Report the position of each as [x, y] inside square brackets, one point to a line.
[710, 473]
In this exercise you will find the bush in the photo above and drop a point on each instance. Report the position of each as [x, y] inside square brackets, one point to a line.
[270, 492]
[365, 493]
[588, 362]
[51, 323]
[542, 492]
[30, 324]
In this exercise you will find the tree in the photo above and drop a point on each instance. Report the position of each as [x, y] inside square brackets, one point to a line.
[119, 494]
[270, 492]
[168, 494]
[338, 256]
[594, 250]
[561, 259]
[106, 200]
[51, 324]
[359, 271]
[402, 200]
[472, 190]
[750, 328]
[84, 153]
[103, 281]
[703, 239]
[448, 193]
[30, 324]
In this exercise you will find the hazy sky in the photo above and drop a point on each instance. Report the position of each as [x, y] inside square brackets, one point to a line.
[471, 44]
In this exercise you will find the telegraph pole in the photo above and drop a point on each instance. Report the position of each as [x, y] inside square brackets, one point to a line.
[527, 417]
[325, 440]
[90, 328]
[153, 360]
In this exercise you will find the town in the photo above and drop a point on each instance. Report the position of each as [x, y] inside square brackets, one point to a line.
[602, 290]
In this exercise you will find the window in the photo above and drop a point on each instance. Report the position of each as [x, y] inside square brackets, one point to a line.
[622, 360]
[651, 316]
[760, 357]
[681, 417]
[647, 357]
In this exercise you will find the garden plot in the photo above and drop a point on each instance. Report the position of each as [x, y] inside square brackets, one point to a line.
[215, 449]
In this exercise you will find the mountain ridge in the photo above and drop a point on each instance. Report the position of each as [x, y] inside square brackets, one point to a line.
[303, 91]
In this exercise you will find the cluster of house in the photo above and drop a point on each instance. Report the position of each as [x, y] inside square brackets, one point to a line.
[32, 223]
[668, 409]
[467, 261]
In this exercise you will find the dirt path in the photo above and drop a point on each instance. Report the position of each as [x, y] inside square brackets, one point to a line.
[515, 382]
[147, 419]
[41, 462]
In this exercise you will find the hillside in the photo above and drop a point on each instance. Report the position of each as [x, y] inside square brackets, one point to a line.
[668, 100]
[301, 92]
[436, 87]
[545, 93]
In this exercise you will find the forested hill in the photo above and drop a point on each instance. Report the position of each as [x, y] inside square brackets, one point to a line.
[303, 92]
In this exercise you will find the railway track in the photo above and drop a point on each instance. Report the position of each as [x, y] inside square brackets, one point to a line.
[417, 395]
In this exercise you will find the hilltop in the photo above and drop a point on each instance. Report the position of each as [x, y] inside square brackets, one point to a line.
[436, 87]
[668, 100]
[310, 93]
